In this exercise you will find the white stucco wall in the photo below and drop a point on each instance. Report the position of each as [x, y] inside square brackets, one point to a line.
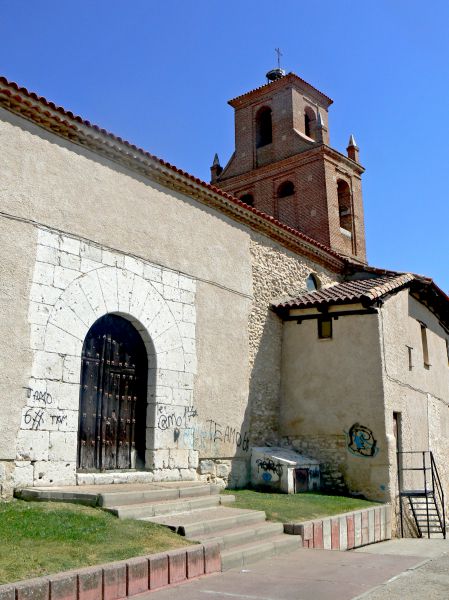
[16, 267]
[363, 376]
[82, 237]
[108, 233]
[419, 394]
[329, 386]
[67, 187]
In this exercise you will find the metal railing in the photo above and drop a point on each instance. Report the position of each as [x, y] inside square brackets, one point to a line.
[419, 481]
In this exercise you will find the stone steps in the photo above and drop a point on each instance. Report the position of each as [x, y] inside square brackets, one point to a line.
[243, 555]
[155, 509]
[244, 534]
[203, 522]
[193, 509]
[122, 498]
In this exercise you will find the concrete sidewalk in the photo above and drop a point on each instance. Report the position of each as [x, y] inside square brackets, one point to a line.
[417, 568]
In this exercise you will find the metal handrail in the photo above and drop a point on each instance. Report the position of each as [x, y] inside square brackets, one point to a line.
[425, 490]
[440, 491]
[436, 489]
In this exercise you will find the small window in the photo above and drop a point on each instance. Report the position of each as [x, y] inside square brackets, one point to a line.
[309, 123]
[264, 134]
[247, 199]
[410, 357]
[312, 282]
[425, 346]
[286, 189]
[344, 205]
[325, 328]
[397, 431]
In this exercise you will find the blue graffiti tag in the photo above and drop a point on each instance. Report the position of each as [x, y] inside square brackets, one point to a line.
[361, 441]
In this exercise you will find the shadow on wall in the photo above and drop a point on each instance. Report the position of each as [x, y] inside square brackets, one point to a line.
[264, 384]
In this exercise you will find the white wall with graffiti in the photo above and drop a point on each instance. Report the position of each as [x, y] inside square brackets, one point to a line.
[74, 284]
[284, 470]
[333, 402]
[187, 435]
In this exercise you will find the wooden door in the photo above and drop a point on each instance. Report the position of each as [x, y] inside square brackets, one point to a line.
[112, 397]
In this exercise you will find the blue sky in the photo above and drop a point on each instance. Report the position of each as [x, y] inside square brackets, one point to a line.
[159, 73]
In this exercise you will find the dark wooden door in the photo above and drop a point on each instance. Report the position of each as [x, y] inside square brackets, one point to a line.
[112, 397]
[301, 480]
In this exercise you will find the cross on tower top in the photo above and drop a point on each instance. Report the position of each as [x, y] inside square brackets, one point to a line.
[279, 53]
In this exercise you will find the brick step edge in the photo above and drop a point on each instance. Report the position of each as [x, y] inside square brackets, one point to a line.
[121, 579]
[345, 531]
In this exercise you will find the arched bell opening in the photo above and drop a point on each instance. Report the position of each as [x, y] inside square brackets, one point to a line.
[113, 397]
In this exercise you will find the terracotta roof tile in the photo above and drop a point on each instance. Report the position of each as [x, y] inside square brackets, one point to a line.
[350, 291]
[271, 83]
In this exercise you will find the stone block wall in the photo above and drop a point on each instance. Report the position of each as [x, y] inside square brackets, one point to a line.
[74, 284]
[331, 451]
[277, 274]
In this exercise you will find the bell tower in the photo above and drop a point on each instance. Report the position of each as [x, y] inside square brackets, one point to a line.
[284, 166]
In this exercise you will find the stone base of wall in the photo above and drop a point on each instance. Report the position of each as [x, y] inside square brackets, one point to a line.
[225, 472]
[6, 479]
[346, 531]
[229, 472]
[120, 580]
[155, 475]
[331, 452]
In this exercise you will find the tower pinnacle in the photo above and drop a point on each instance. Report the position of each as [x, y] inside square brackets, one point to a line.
[277, 73]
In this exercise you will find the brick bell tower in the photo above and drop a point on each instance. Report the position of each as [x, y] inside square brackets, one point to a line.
[283, 164]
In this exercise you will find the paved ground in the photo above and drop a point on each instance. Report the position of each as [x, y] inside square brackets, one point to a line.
[399, 569]
[429, 580]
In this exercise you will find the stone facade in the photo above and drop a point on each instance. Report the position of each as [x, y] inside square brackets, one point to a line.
[277, 274]
[193, 271]
[74, 284]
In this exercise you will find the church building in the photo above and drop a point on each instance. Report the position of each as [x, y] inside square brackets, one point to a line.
[156, 327]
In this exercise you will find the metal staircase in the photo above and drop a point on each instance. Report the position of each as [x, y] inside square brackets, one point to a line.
[420, 486]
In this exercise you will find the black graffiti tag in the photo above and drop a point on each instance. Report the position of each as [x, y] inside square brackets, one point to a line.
[172, 420]
[34, 417]
[224, 433]
[58, 419]
[267, 464]
[44, 397]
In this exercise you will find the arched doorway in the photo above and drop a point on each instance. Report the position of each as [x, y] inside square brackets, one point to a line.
[113, 397]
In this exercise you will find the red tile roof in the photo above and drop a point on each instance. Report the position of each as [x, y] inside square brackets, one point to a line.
[66, 124]
[278, 83]
[356, 290]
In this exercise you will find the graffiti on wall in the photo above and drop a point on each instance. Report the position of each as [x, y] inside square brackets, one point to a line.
[39, 396]
[39, 418]
[45, 415]
[175, 419]
[192, 432]
[270, 469]
[361, 441]
[183, 422]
